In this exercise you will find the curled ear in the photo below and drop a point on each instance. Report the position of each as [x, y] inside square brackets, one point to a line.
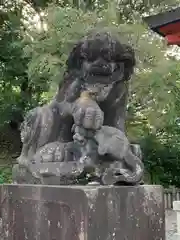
[75, 59]
[125, 54]
[128, 57]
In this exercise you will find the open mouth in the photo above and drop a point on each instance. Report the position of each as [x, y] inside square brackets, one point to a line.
[99, 78]
[102, 71]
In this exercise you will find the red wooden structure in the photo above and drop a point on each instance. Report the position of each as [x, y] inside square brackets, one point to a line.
[167, 25]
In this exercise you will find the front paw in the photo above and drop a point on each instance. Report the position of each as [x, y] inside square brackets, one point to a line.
[88, 115]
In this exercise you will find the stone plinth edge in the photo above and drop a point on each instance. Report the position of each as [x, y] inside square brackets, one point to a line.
[82, 212]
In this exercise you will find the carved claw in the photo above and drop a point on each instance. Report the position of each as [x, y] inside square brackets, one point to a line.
[114, 174]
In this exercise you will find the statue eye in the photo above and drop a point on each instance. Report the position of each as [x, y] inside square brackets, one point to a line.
[91, 58]
[107, 57]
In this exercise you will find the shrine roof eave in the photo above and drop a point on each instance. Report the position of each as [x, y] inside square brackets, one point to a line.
[155, 22]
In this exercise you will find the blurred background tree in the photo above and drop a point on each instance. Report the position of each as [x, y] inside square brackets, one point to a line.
[36, 37]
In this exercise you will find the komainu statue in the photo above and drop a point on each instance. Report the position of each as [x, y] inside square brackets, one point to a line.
[79, 138]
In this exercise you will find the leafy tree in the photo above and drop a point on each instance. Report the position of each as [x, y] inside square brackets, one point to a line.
[33, 60]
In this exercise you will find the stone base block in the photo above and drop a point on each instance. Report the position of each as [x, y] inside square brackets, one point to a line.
[34, 212]
[176, 236]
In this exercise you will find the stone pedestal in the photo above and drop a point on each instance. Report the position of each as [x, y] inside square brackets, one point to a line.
[176, 207]
[32, 212]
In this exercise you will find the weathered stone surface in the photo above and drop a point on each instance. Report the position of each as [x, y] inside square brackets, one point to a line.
[85, 122]
[176, 207]
[32, 212]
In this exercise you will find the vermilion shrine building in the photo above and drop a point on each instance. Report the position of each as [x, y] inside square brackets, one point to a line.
[167, 25]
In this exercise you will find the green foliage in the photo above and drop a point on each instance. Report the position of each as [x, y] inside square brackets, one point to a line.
[5, 175]
[14, 91]
[161, 159]
[48, 49]
[32, 64]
